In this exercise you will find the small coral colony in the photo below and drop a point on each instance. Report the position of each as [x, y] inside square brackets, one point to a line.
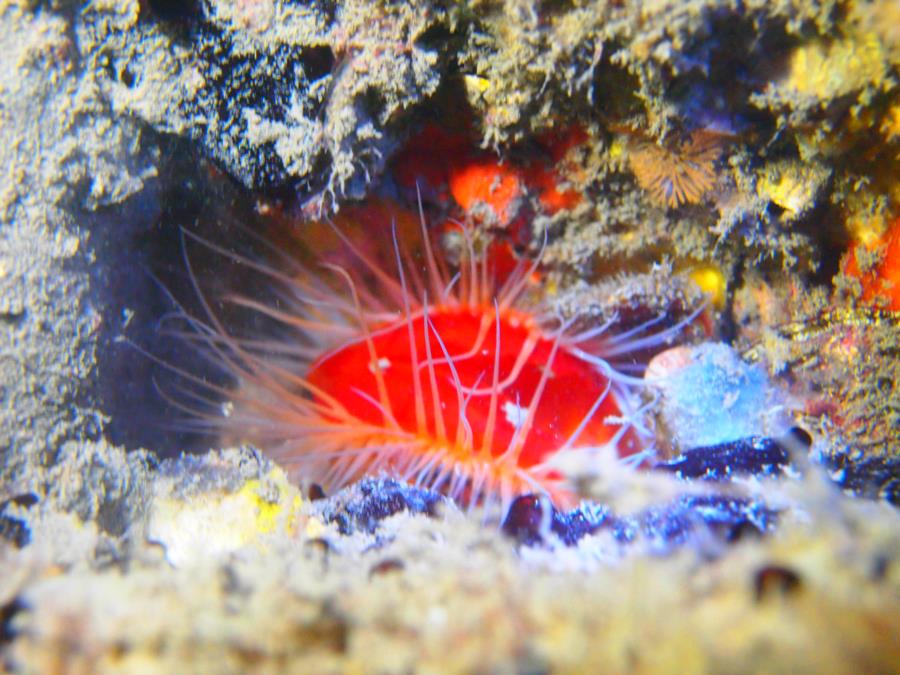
[475, 328]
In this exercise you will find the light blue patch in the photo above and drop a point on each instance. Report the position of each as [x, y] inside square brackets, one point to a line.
[717, 398]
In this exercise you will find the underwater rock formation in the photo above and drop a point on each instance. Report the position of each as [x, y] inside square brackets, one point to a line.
[646, 154]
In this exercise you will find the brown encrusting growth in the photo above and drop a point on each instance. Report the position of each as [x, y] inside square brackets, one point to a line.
[843, 362]
[680, 173]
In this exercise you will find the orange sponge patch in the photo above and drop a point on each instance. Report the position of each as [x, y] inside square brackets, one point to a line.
[882, 281]
[487, 181]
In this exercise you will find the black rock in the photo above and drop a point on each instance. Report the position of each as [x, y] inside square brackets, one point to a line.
[265, 83]
[532, 520]
[868, 477]
[13, 529]
[753, 456]
[363, 506]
